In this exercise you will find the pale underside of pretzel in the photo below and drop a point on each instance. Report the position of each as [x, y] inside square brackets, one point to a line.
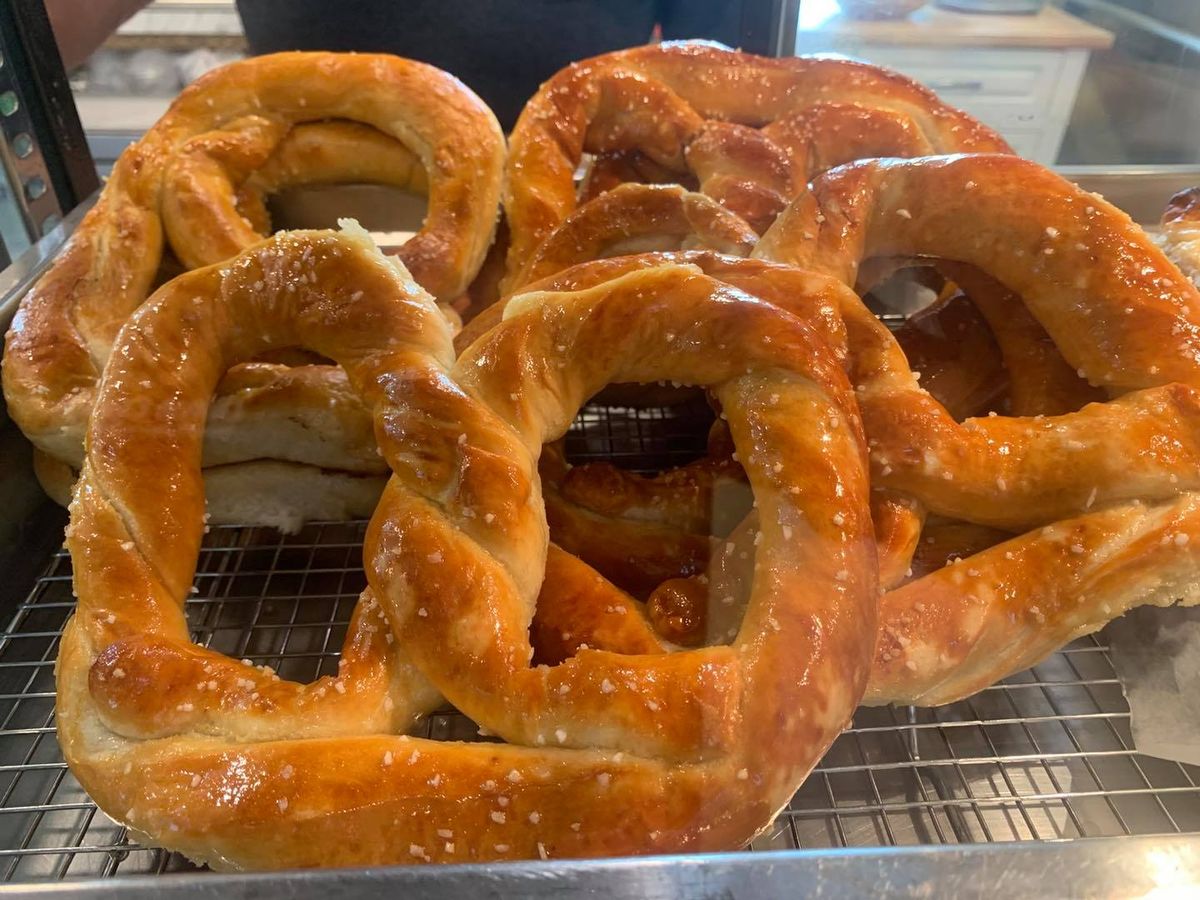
[1103, 494]
[612, 753]
[750, 130]
[1181, 232]
[186, 171]
[334, 152]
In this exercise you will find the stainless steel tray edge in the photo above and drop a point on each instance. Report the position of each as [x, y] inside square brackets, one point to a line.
[1160, 867]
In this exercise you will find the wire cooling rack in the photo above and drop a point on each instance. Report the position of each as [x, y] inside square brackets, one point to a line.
[1045, 755]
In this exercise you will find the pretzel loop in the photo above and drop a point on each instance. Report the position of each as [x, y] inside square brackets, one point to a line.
[234, 134]
[752, 129]
[1108, 487]
[238, 768]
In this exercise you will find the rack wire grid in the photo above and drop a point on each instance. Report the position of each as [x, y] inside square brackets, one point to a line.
[1047, 754]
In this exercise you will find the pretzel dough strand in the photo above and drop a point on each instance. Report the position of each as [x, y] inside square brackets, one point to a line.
[210, 140]
[1099, 286]
[656, 99]
[612, 337]
[207, 768]
[624, 219]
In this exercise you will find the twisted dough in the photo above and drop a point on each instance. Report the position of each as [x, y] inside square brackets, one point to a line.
[182, 177]
[610, 754]
[1057, 523]
[1107, 488]
[697, 108]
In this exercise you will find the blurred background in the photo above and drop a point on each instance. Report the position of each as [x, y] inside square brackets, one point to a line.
[1095, 82]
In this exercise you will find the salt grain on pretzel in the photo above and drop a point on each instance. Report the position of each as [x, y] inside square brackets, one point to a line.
[699, 109]
[239, 768]
[299, 427]
[1105, 489]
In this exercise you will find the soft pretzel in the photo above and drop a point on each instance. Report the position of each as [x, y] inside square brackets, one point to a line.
[642, 531]
[699, 109]
[608, 754]
[1103, 494]
[1106, 489]
[182, 178]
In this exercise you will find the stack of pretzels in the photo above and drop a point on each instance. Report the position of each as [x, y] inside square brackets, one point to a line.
[286, 438]
[881, 516]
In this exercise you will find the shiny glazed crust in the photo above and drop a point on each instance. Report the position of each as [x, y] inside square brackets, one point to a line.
[181, 181]
[1049, 524]
[659, 100]
[608, 754]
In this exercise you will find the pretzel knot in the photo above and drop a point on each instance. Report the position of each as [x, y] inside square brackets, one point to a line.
[748, 131]
[1084, 513]
[194, 185]
[607, 753]
[1042, 526]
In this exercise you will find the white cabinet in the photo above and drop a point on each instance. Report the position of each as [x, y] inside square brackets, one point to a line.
[1026, 95]
[1018, 74]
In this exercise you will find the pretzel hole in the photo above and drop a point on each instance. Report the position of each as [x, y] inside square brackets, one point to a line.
[391, 214]
[648, 439]
[623, 458]
[600, 172]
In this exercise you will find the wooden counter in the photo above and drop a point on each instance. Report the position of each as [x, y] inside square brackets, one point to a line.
[934, 26]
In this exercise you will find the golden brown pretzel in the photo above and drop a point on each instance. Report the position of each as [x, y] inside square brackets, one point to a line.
[621, 754]
[445, 130]
[205, 147]
[656, 100]
[1106, 489]
[640, 532]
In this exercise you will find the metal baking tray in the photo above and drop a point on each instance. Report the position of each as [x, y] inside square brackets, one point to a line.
[1033, 784]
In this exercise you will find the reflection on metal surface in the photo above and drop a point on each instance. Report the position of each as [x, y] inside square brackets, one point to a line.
[1141, 191]
[1145, 867]
[26, 202]
[19, 277]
